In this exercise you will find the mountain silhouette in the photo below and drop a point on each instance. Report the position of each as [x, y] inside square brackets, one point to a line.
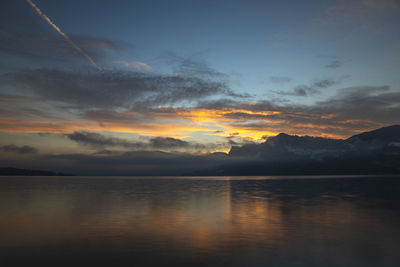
[382, 137]
[374, 152]
[9, 171]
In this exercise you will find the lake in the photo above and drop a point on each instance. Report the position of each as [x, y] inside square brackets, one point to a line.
[200, 221]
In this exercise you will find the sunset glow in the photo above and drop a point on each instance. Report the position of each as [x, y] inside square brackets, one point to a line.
[144, 82]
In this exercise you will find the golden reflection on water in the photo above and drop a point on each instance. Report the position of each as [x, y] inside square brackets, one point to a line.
[201, 217]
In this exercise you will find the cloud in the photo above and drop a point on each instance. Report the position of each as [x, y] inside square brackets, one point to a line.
[115, 89]
[280, 79]
[169, 142]
[310, 89]
[334, 64]
[247, 115]
[369, 103]
[162, 105]
[153, 126]
[140, 66]
[97, 140]
[352, 110]
[189, 66]
[19, 149]
[362, 91]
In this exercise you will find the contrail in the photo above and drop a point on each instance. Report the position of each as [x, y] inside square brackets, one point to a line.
[77, 48]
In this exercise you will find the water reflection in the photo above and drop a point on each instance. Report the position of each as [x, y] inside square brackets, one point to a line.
[200, 222]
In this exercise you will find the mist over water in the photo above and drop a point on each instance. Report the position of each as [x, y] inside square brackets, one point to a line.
[175, 221]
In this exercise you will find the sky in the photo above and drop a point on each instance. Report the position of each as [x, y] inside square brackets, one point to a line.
[98, 78]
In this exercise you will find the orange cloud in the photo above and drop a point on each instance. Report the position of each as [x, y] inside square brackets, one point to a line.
[18, 125]
[247, 122]
[209, 115]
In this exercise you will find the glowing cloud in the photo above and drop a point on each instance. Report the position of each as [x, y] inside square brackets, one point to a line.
[135, 64]
[66, 37]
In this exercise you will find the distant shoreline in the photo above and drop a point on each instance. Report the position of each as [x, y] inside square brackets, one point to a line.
[10, 171]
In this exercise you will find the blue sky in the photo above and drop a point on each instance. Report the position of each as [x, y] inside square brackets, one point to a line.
[249, 40]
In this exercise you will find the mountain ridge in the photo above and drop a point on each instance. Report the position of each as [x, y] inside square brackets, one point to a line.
[373, 152]
[10, 171]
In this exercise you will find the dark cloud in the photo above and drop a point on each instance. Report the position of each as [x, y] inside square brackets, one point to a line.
[246, 116]
[234, 139]
[334, 64]
[195, 66]
[19, 149]
[368, 103]
[218, 103]
[97, 140]
[251, 125]
[231, 141]
[314, 87]
[310, 89]
[351, 110]
[168, 142]
[361, 91]
[116, 89]
[280, 79]
[239, 95]
[103, 115]
[192, 65]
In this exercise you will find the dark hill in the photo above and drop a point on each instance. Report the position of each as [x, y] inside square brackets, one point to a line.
[24, 172]
[384, 135]
[374, 152]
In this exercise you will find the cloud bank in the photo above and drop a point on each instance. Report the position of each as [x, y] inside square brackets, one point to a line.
[18, 149]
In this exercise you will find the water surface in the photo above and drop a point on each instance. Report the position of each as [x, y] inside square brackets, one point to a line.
[200, 221]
